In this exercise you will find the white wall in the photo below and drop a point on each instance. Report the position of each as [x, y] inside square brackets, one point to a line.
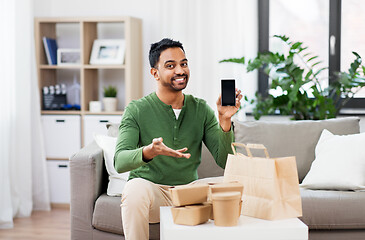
[229, 26]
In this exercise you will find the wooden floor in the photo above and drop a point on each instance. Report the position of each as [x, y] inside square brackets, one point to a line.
[42, 225]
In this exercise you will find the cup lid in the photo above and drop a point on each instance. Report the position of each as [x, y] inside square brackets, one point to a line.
[226, 195]
[226, 184]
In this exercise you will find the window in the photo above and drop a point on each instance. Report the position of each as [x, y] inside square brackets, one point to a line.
[352, 34]
[319, 24]
[304, 21]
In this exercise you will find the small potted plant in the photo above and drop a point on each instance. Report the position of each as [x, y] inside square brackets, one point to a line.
[110, 99]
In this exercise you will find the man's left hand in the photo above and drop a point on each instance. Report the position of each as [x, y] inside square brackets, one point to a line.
[226, 112]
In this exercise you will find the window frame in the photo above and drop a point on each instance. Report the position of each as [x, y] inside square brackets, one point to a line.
[263, 44]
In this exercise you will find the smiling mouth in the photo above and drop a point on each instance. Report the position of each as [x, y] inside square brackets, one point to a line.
[181, 79]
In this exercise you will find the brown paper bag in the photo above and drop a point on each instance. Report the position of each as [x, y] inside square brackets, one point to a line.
[270, 185]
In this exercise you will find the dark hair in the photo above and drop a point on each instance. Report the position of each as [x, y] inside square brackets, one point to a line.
[157, 48]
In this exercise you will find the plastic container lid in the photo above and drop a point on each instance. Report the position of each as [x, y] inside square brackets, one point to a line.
[226, 195]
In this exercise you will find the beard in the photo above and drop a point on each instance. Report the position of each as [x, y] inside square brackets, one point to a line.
[177, 83]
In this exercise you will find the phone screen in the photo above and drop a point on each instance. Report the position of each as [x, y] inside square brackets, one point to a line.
[228, 92]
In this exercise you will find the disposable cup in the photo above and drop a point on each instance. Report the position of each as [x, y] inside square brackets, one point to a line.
[226, 208]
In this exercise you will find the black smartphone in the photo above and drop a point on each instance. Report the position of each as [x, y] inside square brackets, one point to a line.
[228, 92]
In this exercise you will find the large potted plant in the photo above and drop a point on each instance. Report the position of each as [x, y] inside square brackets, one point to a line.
[294, 75]
[110, 99]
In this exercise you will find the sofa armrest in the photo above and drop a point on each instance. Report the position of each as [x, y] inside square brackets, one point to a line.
[86, 170]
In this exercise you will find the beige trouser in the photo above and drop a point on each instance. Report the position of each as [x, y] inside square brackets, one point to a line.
[141, 202]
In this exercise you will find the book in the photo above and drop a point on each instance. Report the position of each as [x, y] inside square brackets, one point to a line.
[50, 47]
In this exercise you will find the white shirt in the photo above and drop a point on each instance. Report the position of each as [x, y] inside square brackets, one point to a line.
[177, 112]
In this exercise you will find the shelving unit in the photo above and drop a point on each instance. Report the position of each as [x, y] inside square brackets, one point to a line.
[89, 30]
[67, 131]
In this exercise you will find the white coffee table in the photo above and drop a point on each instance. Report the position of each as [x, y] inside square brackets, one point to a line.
[248, 228]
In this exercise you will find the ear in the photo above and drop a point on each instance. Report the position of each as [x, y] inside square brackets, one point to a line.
[155, 74]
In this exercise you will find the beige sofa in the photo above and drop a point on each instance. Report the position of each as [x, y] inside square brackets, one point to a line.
[329, 214]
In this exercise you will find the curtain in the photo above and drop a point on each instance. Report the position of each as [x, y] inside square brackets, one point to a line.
[23, 179]
[212, 30]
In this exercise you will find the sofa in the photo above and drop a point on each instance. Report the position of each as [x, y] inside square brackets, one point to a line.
[328, 214]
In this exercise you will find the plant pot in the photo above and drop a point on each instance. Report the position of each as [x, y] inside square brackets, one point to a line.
[110, 104]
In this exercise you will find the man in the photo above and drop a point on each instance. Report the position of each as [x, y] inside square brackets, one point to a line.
[160, 139]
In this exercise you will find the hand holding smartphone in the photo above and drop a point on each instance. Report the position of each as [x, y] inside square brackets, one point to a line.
[228, 87]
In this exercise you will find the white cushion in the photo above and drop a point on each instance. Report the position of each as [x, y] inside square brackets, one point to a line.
[117, 180]
[339, 163]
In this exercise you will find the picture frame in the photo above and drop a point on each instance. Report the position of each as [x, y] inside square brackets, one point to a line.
[68, 56]
[108, 51]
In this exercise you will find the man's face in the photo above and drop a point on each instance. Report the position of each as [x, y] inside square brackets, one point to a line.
[172, 69]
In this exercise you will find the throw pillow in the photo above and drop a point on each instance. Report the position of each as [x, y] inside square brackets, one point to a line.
[117, 180]
[339, 163]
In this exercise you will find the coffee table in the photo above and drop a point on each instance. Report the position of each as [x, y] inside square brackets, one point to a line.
[248, 228]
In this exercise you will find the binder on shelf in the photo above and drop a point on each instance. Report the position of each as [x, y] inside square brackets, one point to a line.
[50, 47]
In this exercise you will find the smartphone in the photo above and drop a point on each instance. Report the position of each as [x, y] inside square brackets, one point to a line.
[228, 92]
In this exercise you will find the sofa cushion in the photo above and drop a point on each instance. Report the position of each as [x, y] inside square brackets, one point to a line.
[107, 217]
[113, 129]
[107, 214]
[333, 209]
[294, 138]
[208, 167]
[117, 180]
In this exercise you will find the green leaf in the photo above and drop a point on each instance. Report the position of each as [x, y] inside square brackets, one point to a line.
[282, 37]
[281, 70]
[270, 58]
[280, 100]
[317, 63]
[306, 54]
[267, 70]
[110, 91]
[356, 54]
[234, 60]
[253, 65]
[275, 83]
[320, 70]
[298, 73]
[296, 45]
[315, 92]
[308, 74]
[303, 48]
[359, 81]
[294, 92]
[310, 59]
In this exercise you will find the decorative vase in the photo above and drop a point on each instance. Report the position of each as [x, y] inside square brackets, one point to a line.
[110, 104]
[95, 106]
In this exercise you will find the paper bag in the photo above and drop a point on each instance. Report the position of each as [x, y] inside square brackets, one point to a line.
[270, 185]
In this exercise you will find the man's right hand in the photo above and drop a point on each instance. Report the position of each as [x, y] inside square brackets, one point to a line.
[157, 147]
